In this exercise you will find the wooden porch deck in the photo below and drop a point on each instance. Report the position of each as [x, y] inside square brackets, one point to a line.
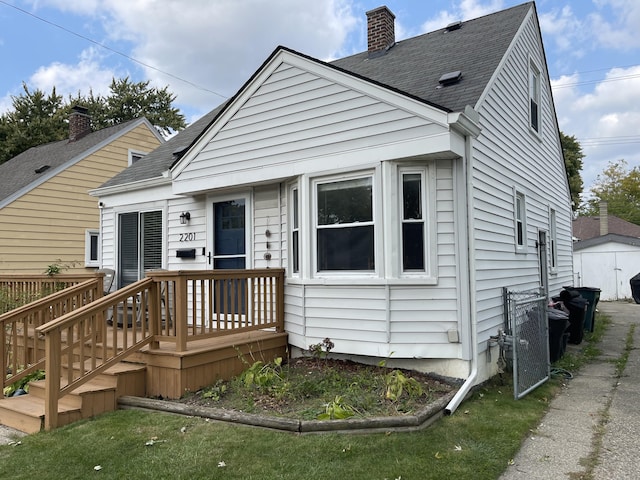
[89, 364]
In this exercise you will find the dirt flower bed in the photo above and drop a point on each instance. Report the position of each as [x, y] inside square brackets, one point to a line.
[321, 388]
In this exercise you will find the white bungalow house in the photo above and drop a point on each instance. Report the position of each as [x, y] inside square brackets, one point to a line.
[401, 188]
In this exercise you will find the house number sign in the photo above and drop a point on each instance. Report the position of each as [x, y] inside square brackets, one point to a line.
[187, 237]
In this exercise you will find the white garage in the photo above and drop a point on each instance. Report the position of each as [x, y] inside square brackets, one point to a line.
[607, 262]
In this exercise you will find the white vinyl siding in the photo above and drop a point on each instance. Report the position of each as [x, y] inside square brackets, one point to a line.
[299, 121]
[507, 158]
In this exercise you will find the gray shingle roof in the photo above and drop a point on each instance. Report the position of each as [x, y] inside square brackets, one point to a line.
[603, 239]
[162, 158]
[585, 228]
[415, 65]
[412, 67]
[19, 172]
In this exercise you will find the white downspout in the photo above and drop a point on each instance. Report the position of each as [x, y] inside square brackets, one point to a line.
[473, 327]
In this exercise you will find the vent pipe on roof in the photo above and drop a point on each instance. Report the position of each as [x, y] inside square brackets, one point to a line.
[380, 29]
[79, 123]
[604, 218]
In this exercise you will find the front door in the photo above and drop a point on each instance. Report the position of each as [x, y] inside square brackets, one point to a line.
[229, 235]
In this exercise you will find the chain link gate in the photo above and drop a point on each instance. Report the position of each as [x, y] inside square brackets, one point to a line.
[527, 341]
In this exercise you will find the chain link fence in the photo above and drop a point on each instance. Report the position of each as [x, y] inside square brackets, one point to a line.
[526, 328]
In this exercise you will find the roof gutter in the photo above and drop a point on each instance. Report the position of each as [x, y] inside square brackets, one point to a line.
[128, 187]
[468, 123]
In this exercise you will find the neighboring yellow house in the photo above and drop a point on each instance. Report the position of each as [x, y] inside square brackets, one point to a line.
[46, 215]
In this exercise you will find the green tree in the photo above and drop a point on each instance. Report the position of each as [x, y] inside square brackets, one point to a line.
[573, 164]
[37, 118]
[128, 100]
[619, 186]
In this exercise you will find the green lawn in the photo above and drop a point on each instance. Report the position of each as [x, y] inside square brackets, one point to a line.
[477, 442]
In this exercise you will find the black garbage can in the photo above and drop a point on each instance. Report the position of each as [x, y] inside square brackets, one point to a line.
[592, 296]
[577, 306]
[635, 287]
[558, 323]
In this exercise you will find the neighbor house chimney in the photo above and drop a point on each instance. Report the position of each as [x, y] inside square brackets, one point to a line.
[380, 29]
[604, 218]
[79, 123]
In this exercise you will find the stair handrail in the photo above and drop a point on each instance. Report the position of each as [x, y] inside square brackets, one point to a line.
[33, 315]
[88, 326]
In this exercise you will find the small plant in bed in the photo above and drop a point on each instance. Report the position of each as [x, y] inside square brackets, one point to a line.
[318, 387]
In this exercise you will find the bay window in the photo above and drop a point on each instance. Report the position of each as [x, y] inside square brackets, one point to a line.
[344, 225]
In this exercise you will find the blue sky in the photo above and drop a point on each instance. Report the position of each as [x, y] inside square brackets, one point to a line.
[204, 50]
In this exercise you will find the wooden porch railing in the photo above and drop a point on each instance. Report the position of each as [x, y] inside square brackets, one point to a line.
[21, 351]
[20, 289]
[176, 307]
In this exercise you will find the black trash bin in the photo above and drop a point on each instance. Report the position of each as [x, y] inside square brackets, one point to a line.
[577, 306]
[558, 323]
[592, 296]
[635, 287]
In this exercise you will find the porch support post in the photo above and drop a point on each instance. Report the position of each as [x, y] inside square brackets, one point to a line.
[181, 313]
[155, 316]
[3, 353]
[280, 302]
[52, 378]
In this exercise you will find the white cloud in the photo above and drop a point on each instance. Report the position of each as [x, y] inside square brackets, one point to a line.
[616, 26]
[69, 79]
[464, 10]
[605, 120]
[218, 44]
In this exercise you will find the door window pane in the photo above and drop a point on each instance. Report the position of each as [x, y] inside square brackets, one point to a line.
[229, 240]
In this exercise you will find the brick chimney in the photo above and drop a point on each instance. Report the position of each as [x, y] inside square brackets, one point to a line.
[380, 29]
[604, 218]
[79, 123]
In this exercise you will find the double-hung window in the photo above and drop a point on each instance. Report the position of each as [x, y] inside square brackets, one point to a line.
[534, 97]
[520, 222]
[295, 231]
[413, 218]
[344, 224]
[139, 245]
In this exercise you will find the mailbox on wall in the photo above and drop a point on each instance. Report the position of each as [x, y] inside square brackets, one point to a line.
[186, 253]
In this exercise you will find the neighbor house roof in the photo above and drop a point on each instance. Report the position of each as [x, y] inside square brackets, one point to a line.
[585, 228]
[603, 239]
[31, 168]
[412, 67]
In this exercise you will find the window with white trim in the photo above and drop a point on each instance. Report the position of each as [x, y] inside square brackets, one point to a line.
[553, 241]
[344, 224]
[534, 97]
[91, 248]
[413, 218]
[295, 230]
[520, 222]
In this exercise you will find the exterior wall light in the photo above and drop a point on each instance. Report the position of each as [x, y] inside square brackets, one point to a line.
[184, 218]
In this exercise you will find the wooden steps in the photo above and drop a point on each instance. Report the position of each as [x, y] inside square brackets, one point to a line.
[99, 395]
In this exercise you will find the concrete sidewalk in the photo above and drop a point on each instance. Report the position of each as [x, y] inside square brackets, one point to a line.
[593, 427]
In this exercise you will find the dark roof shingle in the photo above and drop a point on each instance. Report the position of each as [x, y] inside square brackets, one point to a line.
[412, 67]
[20, 171]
